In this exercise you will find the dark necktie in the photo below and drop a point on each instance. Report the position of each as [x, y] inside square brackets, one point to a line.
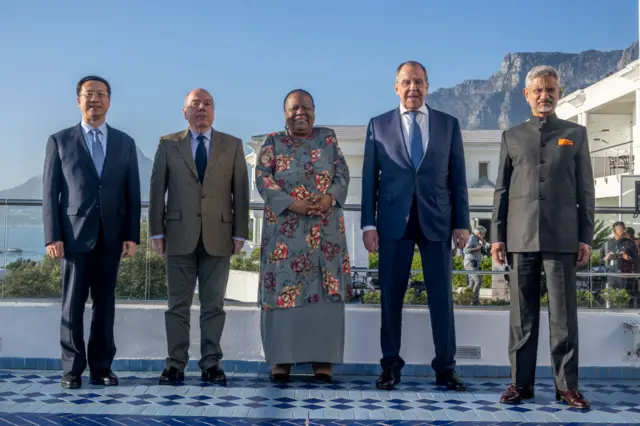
[415, 137]
[201, 157]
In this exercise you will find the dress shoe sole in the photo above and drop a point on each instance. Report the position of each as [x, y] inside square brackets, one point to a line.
[100, 382]
[71, 385]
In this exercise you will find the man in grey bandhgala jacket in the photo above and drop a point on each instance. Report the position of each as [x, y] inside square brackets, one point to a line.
[543, 217]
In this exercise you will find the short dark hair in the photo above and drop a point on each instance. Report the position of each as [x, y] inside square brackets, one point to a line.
[631, 231]
[301, 91]
[616, 224]
[413, 64]
[83, 80]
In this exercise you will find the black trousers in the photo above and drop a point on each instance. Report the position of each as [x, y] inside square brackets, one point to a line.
[95, 271]
[395, 266]
[524, 321]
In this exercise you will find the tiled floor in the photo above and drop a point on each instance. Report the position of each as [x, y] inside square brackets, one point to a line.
[33, 397]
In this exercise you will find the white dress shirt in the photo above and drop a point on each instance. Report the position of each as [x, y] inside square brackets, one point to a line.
[422, 115]
[194, 146]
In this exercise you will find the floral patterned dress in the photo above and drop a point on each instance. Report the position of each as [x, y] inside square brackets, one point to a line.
[305, 271]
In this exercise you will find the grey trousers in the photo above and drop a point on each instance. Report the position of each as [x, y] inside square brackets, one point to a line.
[524, 321]
[212, 273]
[475, 280]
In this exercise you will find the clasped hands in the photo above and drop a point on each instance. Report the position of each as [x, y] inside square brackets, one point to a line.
[318, 205]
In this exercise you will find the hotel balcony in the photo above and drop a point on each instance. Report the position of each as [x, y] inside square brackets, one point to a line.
[30, 368]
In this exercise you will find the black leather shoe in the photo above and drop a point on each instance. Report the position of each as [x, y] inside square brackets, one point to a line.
[388, 379]
[103, 378]
[71, 381]
[171, 376]
[451, 381]
[515, 394]
[214, 375]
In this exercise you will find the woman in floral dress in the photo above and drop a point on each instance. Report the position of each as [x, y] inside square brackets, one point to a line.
[305, 271]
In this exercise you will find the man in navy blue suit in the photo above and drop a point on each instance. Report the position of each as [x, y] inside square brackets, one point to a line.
[91, 212]
[414, 191]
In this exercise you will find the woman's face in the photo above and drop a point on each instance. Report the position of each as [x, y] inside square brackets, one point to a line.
[299, 114]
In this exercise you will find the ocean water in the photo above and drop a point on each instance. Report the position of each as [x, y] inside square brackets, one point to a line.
[29, 239]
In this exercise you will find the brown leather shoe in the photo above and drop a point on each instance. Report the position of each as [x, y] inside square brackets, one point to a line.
[515, 394]
[574, 399]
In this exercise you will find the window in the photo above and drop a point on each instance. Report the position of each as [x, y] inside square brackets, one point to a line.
[483, 169]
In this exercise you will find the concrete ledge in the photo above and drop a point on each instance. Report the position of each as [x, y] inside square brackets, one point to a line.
[30, 330]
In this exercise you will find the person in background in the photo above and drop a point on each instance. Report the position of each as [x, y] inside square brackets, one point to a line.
[620, 255]
[472, 259]
[91, 211]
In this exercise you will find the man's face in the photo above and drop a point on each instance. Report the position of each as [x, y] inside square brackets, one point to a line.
[542, 95]
[411, 87]
[198, 109]
[94, 99]
[619, 231]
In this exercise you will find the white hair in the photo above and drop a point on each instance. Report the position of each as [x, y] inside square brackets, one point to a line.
[480, 229]
[541, 71]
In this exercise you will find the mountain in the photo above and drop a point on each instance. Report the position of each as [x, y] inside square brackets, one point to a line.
[32, 189]
[498, 103]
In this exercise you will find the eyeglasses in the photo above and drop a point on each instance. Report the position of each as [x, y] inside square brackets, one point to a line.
[90, 95]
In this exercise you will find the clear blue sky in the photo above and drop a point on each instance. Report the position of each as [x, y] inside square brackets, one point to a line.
[249, 54]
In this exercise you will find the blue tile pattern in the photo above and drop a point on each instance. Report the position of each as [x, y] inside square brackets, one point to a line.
[34, 397]
[486, 371]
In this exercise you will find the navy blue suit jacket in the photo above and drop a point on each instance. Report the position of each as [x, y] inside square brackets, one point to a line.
[76, 199]
[390, 183]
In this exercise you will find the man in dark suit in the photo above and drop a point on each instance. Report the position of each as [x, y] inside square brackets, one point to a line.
[543, 212]
[91, 212]
[204, 221]
[414, 191]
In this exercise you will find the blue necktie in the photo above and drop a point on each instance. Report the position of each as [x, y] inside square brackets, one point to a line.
[415, 136]
[97, 151]
[201, 157]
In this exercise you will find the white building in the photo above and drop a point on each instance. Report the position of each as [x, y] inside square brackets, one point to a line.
[609, 110]
[482, 150]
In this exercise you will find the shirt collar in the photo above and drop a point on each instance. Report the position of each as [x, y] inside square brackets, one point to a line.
[423, 109]
[207, 134]
[88, 127]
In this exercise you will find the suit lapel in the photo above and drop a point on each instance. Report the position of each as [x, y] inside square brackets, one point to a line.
[81, 146]
[401, 145]
[112, 147]
[434, 133]
[215, 150]
[184, 148]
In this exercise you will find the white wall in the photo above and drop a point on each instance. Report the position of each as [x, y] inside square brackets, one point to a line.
[140, 333]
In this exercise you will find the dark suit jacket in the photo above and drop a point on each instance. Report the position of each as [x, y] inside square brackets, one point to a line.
[544, 197]
[75, 198]
[218, 209]
[389, 181]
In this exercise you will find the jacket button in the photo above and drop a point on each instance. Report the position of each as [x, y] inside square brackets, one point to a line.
[541, 179]
[542, 161]
[541, 197]
[199, 214]
[542, 145]
[202, 196]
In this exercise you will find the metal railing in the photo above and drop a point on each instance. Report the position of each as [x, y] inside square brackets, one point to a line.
[496, 275]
